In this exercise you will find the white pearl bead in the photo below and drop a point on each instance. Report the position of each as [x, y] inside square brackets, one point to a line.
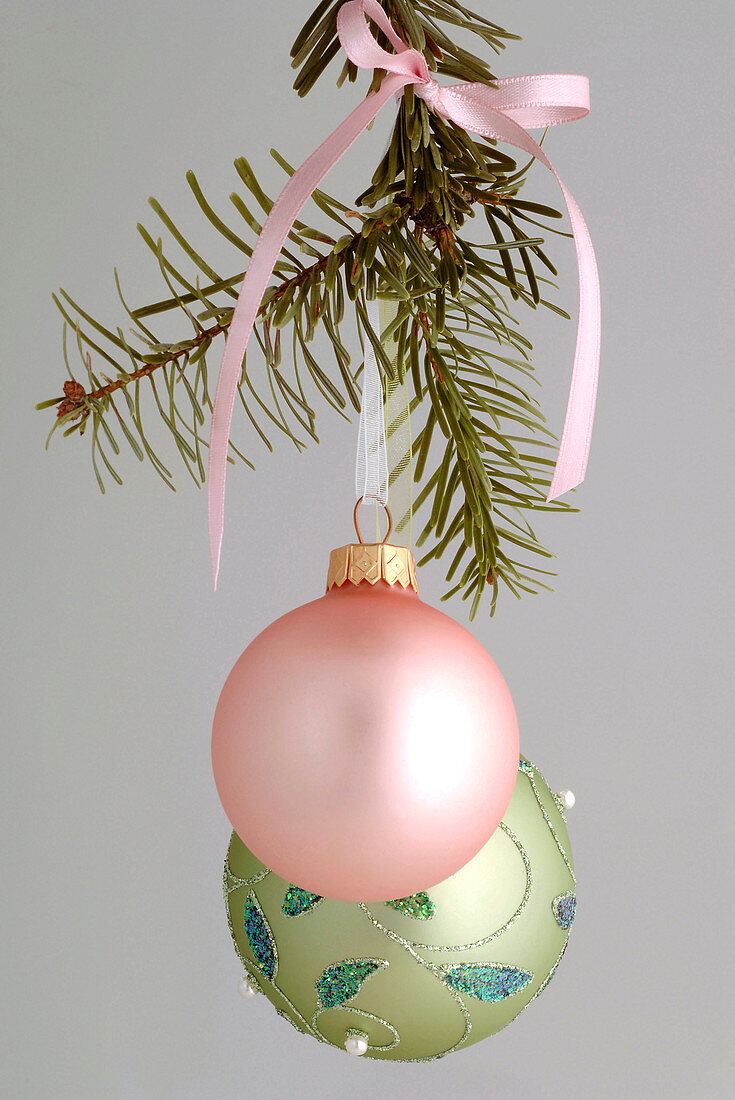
[246, 988]
[356, 1044]
[567, 798]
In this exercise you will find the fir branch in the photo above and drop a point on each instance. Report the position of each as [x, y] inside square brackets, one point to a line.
[461, 349]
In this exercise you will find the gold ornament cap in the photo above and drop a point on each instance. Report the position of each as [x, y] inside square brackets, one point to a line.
[372, 562]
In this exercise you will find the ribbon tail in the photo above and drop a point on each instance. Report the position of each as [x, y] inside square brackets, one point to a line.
[277, 226]
[468, 105]
[576, 436]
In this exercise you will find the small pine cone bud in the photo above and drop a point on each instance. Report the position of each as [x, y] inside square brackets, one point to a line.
[74, 396]
[73, 390]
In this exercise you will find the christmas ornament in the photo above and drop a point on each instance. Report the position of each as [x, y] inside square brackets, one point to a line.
[365, 744]
[418, 977]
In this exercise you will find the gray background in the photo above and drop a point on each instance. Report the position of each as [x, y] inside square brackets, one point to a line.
[119, 977]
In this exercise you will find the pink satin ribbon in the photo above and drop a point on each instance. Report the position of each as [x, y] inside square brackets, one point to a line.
[503, 113]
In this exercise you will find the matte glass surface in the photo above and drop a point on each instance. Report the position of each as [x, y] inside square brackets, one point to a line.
[439, 984]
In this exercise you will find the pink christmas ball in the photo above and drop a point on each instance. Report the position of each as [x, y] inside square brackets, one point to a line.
[365, 745]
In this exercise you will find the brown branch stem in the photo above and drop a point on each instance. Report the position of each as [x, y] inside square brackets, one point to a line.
[76, 399]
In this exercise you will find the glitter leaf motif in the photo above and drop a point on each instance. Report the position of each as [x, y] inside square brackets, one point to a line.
[419, 906]
[564, 908]
[485, 981]
[298, 901]
[260, 938]
[341, 982]
[525, 766]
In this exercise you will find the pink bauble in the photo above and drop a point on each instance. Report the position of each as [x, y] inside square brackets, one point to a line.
[365, 745]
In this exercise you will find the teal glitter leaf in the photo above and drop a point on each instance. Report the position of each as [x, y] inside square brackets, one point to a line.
[564, 907]
[260, 938]
[525, 766]
[341, 982]
[485, 981]
[298, 901]
[420, 906]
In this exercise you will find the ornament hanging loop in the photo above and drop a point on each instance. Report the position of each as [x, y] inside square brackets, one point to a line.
[387, 513]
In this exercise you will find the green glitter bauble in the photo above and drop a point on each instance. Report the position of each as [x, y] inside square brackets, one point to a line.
[423, 976]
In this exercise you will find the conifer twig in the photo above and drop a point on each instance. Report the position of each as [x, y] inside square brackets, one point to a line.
[483, 458]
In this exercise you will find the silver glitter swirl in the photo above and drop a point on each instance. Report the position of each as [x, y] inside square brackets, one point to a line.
[484, 939]
[462, 1041]
[550, 975]
[358, 1012]
[559, 805]
[532, 780]
[234, 882]
[292, 1022]
[408, 946]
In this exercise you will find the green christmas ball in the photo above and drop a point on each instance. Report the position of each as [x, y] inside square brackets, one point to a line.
[415, 978]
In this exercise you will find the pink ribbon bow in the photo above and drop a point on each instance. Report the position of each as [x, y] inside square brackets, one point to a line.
[504, 113]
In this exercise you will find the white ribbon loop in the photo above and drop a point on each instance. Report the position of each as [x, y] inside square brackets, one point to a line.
[371, 463]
